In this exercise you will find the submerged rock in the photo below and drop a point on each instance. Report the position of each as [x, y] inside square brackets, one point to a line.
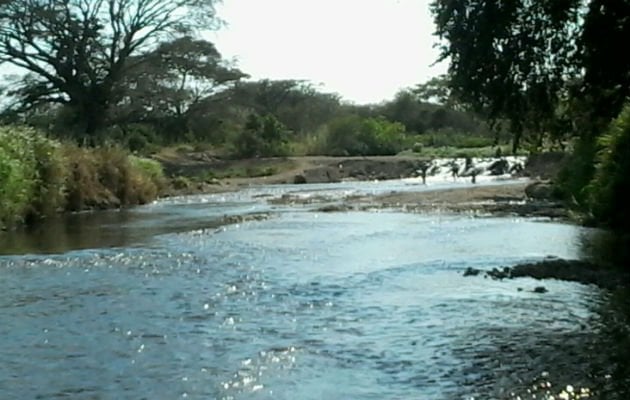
[237, 219]
[566, 270]
[472, 271]
[299, 179]
[499, 167]
[334, 208]
[540, 191]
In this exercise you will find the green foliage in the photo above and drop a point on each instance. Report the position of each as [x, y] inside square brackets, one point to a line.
[108, 177]
[40, 176]
[150, 169]
[261, 137]
[449, 137]
[577, 173]
[353, 135]
[609, 188]
[512, 60]
[457, 152]
[80, 52]
[32, 175]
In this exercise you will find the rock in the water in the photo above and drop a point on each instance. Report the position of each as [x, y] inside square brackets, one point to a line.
[499, 167]
[567, 270]
[540, 191]
[299, 179]
[496, 273]
[540, 289]
[334, 208]
[471, 271]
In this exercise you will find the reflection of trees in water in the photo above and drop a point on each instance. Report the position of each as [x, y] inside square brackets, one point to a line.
[612, 250]
[510, 363]
[594, 353]
[605, 248]
[538, 362]
[615, 334]
[72, 231]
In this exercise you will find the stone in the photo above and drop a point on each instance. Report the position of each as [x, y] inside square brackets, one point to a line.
[299, 179]
[499, 167]
[540, 191]
[471, 271]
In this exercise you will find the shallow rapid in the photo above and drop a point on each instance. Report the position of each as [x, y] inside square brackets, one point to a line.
[166, 302]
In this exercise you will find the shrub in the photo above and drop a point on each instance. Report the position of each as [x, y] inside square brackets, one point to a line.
[607, 191]
[131, 180]
[261, 137]
[109, 177]
[449, 137]
[16, 186]
[39, 176]
[353, 135]
[150, 170]
[32, 175]
[84, 188]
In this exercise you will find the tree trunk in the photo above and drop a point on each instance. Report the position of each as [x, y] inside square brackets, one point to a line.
[91, 117]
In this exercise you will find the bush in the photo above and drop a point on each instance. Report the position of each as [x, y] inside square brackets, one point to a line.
[109, 177]
[451, 138]
[39, 177]
[607, 191]
[32, 175]
[84, 189]
[150, 170]
[356, 136]
[261, 137]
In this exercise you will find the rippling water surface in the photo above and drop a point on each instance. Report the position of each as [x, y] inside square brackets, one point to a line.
[304, 305]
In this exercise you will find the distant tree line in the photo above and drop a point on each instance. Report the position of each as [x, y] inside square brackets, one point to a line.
[135, 72]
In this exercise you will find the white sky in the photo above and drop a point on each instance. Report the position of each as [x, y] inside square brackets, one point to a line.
[365, 50]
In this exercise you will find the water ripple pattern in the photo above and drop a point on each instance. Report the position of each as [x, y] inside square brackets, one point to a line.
[303, 306]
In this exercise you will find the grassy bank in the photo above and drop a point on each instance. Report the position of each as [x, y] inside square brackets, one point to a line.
[40, 176]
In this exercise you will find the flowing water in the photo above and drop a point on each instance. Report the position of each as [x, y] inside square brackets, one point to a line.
[163, 302]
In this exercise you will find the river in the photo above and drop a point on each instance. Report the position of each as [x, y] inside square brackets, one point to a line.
[165, 302]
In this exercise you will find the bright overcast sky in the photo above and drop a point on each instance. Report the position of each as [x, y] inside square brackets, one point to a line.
[365, 50]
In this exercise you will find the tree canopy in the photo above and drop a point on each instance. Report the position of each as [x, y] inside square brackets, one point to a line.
[513, 59]
[78, 51]
[524, 60]
[552, 68]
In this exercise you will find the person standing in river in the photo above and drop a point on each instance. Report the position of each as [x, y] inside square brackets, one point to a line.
[424, 166]
[454, 169]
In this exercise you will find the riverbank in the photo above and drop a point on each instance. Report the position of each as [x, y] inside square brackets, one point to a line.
[203, 172]
[199, 172]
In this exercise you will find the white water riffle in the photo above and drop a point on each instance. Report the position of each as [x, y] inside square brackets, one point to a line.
[441, 169]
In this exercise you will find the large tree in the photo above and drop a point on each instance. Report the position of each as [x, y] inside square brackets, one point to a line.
[171, 79]
[78, 51]
[297, 104]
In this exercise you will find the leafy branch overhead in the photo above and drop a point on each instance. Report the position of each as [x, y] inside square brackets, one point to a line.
[172, 78]
[524, 60]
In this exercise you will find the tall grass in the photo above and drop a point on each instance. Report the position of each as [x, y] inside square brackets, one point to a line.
[108, 177]
[40, 176]
[32, 175]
